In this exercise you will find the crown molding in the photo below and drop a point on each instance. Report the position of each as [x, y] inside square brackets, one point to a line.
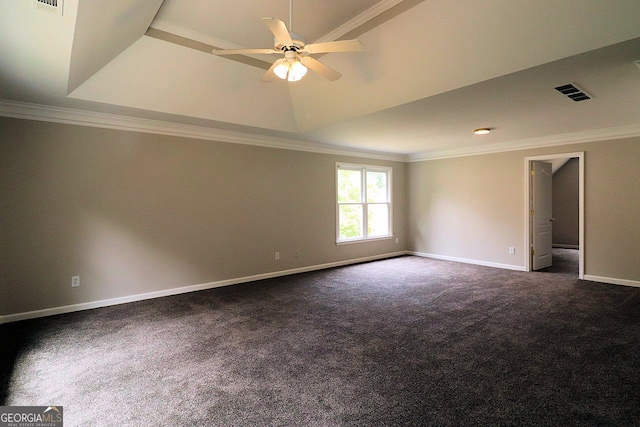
[29, 111]
[619, 132]
[21, 110]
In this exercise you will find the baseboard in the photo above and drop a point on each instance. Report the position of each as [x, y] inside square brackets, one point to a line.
[185, 289]
[562, 246]
[468, 261]
[612, 280]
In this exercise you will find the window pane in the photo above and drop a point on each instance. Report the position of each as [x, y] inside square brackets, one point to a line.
[351, 219]
[378, 220]
[349, 186]
[377, 191]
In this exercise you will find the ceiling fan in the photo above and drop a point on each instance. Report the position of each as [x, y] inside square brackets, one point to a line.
[296, 53]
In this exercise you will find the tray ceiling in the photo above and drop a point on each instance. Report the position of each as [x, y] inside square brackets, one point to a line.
[430, 73]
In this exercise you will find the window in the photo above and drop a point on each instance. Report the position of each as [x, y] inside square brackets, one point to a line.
[363, 208]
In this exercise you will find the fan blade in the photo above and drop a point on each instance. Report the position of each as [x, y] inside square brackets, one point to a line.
[279, 30]
[337, 46]
[270, 76]
[320, 68]
[243, 51]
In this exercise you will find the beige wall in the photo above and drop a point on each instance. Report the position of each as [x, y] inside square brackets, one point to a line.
[132, 213]
[473, 207]
[566, 202]
[468, 207]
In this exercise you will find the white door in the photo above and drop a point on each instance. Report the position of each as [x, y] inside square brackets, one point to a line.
[541, 215]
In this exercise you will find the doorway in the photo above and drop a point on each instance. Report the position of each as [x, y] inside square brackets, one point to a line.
[529, 208]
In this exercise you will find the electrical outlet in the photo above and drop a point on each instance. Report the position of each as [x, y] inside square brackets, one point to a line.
[277, 256]
[397, 240]
[75, 281]
[296, 253]
[512, 251]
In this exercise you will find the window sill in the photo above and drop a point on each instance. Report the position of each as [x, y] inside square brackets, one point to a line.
[363, 240]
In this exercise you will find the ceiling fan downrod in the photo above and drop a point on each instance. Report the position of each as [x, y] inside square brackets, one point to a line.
[290, 15]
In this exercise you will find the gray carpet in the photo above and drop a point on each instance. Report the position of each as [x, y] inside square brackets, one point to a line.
[405, 341]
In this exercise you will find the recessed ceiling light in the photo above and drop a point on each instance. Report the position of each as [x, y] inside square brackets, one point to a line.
[482, 131]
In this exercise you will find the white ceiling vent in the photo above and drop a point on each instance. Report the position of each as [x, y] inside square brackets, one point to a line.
[52, 6]
[572, 91]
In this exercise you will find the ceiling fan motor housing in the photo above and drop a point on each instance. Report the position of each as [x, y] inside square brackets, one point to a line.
[298, 45]
[290, 55]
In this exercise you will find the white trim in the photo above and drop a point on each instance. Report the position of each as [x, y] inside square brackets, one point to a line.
[612, 280]
[363, 184]
[22, 110]
[185, 289]
[190, 34]
[619, 132]
[527, 206]
[468, 261]
[187, 33]
[367, 239]
[366, 16]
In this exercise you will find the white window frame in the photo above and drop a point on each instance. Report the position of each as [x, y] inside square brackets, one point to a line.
[363, 194]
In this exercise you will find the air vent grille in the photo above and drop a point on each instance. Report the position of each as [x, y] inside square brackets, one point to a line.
[573, 92]
[53, 6]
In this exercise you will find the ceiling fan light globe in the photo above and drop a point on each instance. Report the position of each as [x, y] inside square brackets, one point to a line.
[297, 71]
[281, 70]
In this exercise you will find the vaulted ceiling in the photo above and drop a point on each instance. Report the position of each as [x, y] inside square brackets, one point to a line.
[431, 70]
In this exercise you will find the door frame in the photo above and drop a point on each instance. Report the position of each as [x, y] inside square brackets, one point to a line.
[527, 204]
